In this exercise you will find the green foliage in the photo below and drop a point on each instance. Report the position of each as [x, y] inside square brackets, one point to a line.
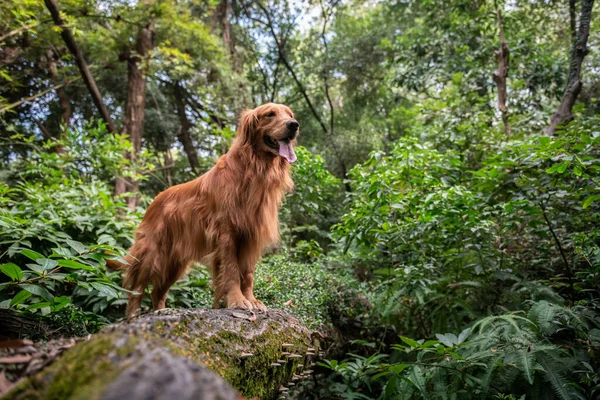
[313, 206]
[304, 289]
[450, 218]
[507, 354]
[430, 228]
[60, 222]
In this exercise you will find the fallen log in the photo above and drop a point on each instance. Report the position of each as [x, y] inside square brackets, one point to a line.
[181, 354]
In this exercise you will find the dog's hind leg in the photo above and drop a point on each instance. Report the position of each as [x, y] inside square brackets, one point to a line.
[135, 300]
[161, 289]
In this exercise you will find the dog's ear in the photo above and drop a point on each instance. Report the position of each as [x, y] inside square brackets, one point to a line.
[246, 127]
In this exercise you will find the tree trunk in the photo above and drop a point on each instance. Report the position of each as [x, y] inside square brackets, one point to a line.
[18, 325]
[573, 20]
[503, 56]
[134, 110]
[69, 40]
[182, 354]
[168, 167]
[64, 101]
[184, 130]
[580, 50]
[221, 20]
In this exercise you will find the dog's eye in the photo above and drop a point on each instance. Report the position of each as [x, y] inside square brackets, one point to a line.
[271, 114]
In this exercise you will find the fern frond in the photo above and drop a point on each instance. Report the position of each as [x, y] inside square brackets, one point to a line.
[487, 378]
[543, 313]
[440, 384]
[526, 364]
[553, 375]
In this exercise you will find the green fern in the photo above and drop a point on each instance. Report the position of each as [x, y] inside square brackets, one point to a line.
[512, 319]
[556, 379]
[527, 364]
[488, 376]
[543, 313]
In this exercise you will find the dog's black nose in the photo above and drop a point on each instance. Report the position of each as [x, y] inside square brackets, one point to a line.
[292, 125]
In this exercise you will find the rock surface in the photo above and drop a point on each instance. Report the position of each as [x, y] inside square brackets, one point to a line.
[181, 354]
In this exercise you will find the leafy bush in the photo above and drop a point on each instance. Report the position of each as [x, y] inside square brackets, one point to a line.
[59, 220]
[507, 354]
[429, 229]
[310, 210]
[303, 289]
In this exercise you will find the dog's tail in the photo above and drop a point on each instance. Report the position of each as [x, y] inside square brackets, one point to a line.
[113, 265]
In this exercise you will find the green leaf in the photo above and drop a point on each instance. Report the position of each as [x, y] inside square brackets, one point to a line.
[38, 269]
[75, 265]
[589, 200]
[77, 246]
[37, 290]
[527, 362]
[60, 302]
[105, 289]
[448, 340]
[555, 378]
[46, 263]
[36, 306]
[562, 167]
[463, 335]
[12, 271]
[20, 297]
[410, 342]
[32, 255]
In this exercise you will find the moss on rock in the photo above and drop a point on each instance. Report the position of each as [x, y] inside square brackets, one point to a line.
[238, 346]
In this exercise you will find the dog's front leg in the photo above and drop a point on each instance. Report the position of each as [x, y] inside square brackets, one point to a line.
[248, 291]
[227, 276]
[248, 257]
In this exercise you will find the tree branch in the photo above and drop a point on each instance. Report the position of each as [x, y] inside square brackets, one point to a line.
[562, 252]
[578, 53]
[35, 96]
[288, 66]
[503, 56]
[69, 40]
[19, 30]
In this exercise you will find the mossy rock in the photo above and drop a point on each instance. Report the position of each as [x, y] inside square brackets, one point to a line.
[182, 354]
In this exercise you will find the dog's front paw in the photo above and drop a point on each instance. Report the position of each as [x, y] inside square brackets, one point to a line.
[239, 302]
[257, 304]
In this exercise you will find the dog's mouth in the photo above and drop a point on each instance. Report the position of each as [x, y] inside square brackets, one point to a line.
[284, 148]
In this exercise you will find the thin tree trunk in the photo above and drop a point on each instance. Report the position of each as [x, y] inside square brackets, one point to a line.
[503, 56]
[573, 20]
[331, 135]
[578, 53]
[134, 110]
[221, 20]
[64, 101]
[168, 167]
[69, 40]
[184, 131]
[288, 66]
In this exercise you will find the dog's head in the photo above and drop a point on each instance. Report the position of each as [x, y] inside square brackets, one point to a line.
[270, 129]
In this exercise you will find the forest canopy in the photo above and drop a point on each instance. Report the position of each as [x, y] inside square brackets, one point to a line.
[446, 211]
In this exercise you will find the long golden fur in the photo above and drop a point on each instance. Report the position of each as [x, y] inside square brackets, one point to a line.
[224, 219]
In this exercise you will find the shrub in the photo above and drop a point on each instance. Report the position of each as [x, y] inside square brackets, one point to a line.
[508, 354]
[58, 219]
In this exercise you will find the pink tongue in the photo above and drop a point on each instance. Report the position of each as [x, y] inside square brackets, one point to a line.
[286, 151]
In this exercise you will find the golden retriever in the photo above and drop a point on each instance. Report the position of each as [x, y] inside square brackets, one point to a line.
[224, 219]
